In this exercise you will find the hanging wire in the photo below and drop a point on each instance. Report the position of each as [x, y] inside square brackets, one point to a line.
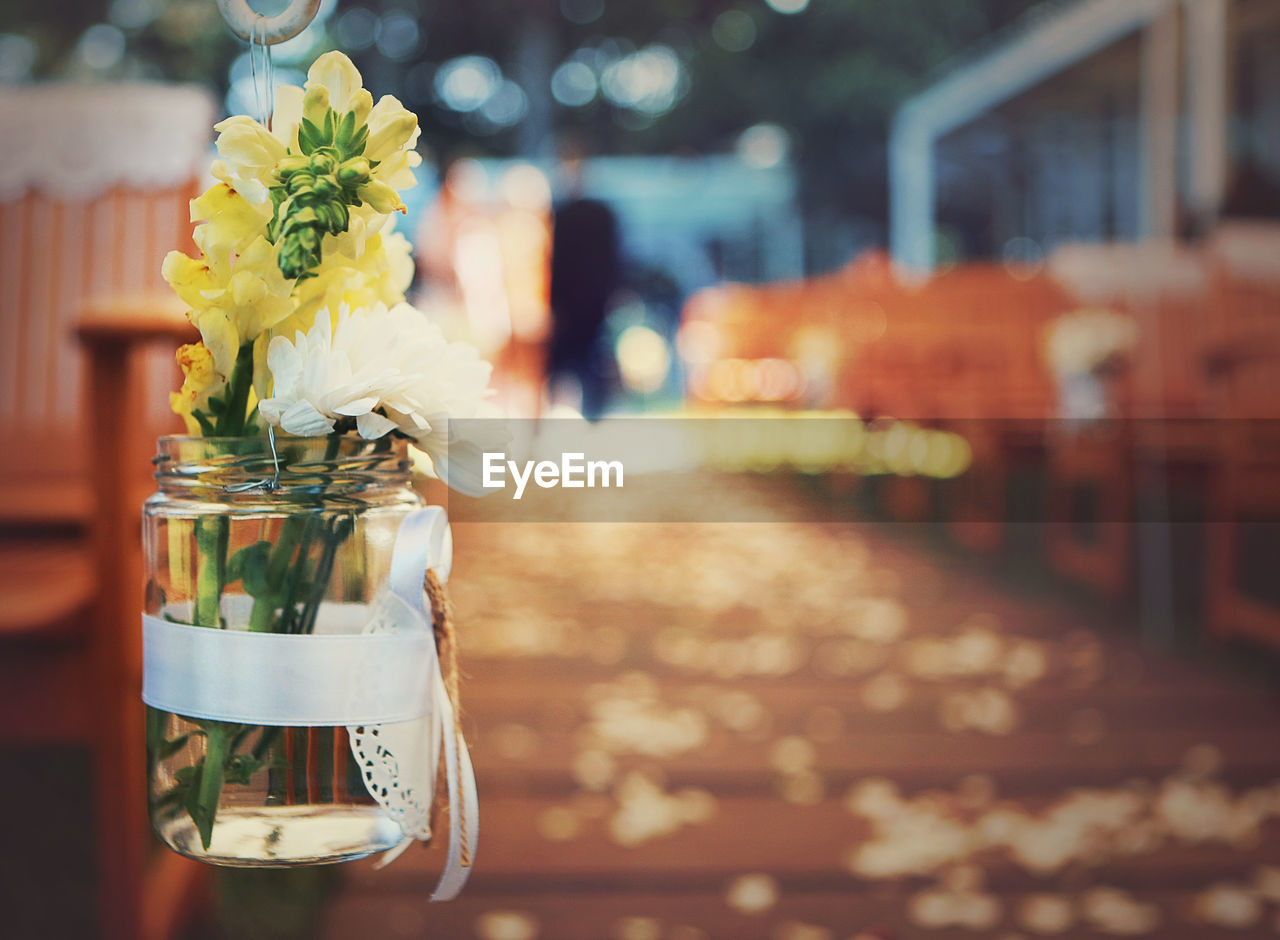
[264, 91]
[263, 95]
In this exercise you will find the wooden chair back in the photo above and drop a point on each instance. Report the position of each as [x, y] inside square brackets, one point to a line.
[85, 220]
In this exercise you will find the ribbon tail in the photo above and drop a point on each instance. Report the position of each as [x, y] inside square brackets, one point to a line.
[390, 855]
[464, 815]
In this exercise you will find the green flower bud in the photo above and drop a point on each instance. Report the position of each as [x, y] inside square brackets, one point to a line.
[325, 187]
[302, 180]
[325, 217]
[322, 163]
[341, 217]
[354, 172]
[290, 165]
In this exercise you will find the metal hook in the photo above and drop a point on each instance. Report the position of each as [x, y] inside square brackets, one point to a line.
[273, 29]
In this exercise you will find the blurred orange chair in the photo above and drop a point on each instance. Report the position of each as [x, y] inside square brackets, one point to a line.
[1096, 472]
[1244, 532]
[997, 394]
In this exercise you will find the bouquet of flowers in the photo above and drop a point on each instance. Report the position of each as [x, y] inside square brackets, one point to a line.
[298, 292]
[298, 295]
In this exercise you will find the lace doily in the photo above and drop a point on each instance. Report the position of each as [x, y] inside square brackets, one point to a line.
[398, 761]
[74, 141]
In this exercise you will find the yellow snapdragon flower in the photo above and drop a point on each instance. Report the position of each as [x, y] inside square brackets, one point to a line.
[229, 222]
[393, 129]
[233, 297]
[199, 380]
[250, 154]
[381, 273]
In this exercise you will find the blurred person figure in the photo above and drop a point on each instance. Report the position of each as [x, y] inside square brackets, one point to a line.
[585, 272]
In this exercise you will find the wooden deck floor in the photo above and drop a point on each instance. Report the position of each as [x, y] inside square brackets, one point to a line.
[812, 731]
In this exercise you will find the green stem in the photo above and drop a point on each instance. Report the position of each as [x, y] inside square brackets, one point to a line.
[339, 528]
[212, 535]
[205, 810]
[279, 566]
[232, 422]
[295, 577]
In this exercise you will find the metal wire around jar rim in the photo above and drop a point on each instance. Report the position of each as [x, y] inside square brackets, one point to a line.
[236, 469]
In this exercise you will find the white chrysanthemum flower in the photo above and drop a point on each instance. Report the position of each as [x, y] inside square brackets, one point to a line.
[389, 370]
[341, 367]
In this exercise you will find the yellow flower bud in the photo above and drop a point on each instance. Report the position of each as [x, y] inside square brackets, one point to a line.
[315, 104]
[381, 197]
[390, 128]
[336, 73]
[361, 104]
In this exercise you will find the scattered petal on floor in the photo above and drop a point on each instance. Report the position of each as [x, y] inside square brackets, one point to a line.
[506, 925]
[1228, 905]
[793, 754]
[1046, 914]
[794, 930]
[638, 928]
[752, 894]
[887, 692]
[1114, 911]
[940, 908]
[645, 812]
[559, 824]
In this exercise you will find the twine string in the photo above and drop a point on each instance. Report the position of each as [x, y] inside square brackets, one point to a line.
[447, 649]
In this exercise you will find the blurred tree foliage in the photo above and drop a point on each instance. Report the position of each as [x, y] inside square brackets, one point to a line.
[174, 40]
[831, 74]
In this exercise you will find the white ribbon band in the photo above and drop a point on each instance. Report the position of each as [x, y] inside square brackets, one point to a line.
[285, 679]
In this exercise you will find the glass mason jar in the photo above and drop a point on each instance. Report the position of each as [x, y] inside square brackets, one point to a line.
[225, 551]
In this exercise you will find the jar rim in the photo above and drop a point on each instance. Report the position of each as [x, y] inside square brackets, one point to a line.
[240, 468]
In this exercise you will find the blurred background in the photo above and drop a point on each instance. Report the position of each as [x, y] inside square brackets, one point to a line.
[1001, 662]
